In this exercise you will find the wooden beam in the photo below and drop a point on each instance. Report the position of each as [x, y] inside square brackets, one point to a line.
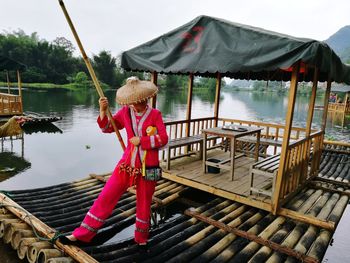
[306, 219]
[327, 189]
[218, 192]
[251, 237]
[189, 104]
[43, 229]
[286, 137]
[154, 79]
[217, 98]
[337, 183]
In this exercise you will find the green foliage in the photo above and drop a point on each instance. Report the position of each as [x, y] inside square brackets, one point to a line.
[105, 65]
[81, 78]
[46, 62]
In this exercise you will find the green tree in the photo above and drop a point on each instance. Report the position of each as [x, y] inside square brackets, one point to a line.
[105, 65]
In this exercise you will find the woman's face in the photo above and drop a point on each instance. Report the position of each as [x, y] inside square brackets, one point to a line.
[139, 107]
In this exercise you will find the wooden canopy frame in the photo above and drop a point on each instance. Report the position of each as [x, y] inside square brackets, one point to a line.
[314, 140]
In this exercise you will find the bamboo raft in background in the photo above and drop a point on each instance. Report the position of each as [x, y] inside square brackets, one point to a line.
[218, 230]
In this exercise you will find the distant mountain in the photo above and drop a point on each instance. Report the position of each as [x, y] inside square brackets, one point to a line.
[340, 43]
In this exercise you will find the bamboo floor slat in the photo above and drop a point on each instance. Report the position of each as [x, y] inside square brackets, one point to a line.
[192, 169]
[183, 238]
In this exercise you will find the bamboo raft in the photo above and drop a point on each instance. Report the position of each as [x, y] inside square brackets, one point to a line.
[206, 229]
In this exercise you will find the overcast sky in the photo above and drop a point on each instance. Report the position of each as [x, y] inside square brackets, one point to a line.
[118, 25]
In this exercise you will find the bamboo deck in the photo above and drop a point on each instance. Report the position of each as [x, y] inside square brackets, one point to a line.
[199, 235]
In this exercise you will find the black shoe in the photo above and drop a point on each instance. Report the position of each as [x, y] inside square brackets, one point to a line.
[66, 241]
[143, 248]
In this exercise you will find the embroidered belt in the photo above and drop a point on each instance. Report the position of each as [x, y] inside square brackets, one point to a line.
[130, 170]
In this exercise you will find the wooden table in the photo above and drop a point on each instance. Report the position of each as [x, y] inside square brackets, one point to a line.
[232, 135]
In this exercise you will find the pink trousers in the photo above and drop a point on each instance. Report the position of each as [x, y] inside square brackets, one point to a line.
[103, 206]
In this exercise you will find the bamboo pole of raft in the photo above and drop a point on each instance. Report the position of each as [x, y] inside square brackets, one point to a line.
[252, 237]
[75, 252]
[91, 71]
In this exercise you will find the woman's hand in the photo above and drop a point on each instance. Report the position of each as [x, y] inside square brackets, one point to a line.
[135, 140]
[103, 102]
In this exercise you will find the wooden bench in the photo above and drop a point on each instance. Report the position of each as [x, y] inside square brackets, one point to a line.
[263, 141]
[268, 168]
[179, 142]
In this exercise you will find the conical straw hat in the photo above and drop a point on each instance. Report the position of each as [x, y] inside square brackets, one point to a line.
[136, 91]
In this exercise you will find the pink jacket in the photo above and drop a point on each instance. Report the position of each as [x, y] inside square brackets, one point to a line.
[126, 118]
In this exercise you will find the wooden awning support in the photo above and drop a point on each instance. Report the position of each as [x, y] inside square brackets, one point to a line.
[73, 251]
[217, 98]
[272, 245]
[154, 79]
[286, 137]
[325, 105]
[189, 105]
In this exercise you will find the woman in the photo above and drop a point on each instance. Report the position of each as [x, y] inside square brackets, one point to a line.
[136, 116]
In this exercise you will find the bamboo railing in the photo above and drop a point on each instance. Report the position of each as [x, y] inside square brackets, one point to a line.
[10, 104]
[339, 107]
[303, 159]
[177, 129]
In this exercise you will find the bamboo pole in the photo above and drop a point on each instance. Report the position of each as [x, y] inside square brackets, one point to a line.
[91, 71]
[43, 229]
[286, 136]
[24, 245]
[20, 89]
[8, 82]
[252, 237]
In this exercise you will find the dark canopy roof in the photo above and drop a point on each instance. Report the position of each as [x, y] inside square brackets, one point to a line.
[208, 45]
[10, 64]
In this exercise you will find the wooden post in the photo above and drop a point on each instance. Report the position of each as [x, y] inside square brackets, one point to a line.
[154, 79]
[325, 104]
[286, 137]
[20, 89]
[217, 98]
[91, 71]
[8, 82]
[312, 103]
[306, 150]
[189, 105]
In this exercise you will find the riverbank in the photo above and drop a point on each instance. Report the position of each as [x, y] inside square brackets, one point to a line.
[49, 86]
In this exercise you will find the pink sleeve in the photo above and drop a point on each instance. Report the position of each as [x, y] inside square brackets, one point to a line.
[106, 125]
[158, 140]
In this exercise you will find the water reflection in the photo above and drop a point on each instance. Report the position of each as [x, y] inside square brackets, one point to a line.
[77, 147]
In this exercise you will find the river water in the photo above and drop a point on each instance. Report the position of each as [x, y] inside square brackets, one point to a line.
[76, 147]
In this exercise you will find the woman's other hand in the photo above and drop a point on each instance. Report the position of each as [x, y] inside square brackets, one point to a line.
[135, 140]
[103, 102]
